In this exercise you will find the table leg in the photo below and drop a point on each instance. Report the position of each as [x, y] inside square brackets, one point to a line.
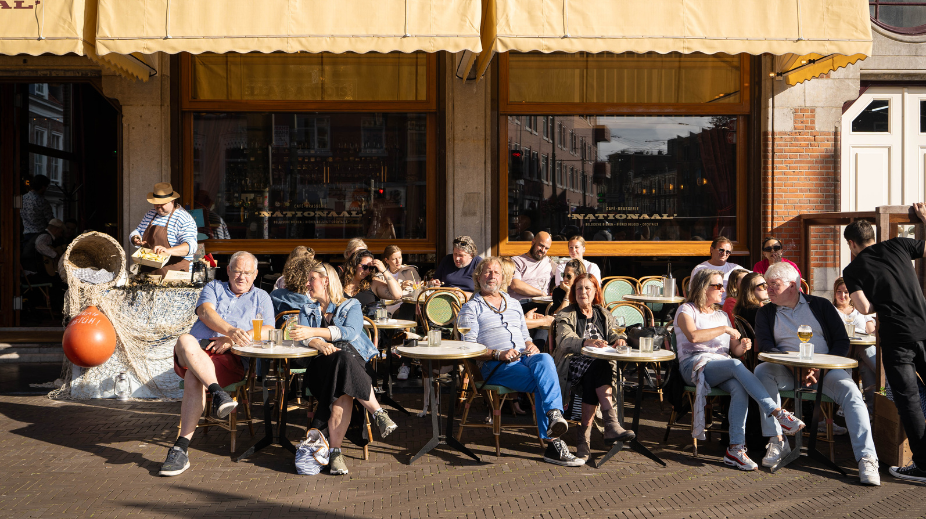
[386, 396]
[812, 451]
[268, 423]
[634, 443]
[449, 437]
[281, 428]
[435, 424]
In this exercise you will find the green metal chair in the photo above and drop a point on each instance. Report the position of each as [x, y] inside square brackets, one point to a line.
[616, 287]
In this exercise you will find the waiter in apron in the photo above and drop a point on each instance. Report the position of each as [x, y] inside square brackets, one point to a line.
[167, 229]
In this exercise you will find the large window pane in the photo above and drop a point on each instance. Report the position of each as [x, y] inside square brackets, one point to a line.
[311, 77]
[651, 178]
[875, 118]
[623, 78]
[50, 115]
[313, 175]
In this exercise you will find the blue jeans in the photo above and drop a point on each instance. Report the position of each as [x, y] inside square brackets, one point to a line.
[838, 385]
[866, 371]
[734, 377]
[535, 374]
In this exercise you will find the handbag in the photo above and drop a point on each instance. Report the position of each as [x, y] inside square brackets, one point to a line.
[312, 454]
[659, 334]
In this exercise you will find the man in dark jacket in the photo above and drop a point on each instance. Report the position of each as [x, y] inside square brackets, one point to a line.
[776, 331]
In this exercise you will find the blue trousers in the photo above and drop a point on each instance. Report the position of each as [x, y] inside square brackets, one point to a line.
[535, 374]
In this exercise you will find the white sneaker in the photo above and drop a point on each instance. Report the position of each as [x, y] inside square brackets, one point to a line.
[403, 372]
[736, 457]
[838, 430]
[775, 451]
[789, 423]
[868, 471]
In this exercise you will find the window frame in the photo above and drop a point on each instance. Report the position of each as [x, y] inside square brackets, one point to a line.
[910, 31]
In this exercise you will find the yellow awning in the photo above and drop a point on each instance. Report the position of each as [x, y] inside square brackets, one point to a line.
[797, 69]
[824, 27]
[337, 26]
[60, 27]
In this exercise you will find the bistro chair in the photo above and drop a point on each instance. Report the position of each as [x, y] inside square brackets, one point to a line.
[440, 308]
[616, 287]
[745, 329]
[685, 282]
[804, 286]
[632, 313]
[239, 393]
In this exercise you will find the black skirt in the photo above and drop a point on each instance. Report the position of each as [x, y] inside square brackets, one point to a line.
[329, 377]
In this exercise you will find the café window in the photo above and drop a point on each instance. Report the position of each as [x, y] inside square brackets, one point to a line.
[665, 178]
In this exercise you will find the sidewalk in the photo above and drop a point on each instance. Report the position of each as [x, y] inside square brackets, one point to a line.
[100, 459]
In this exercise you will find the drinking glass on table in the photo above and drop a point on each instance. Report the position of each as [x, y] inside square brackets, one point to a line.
[257, 323]
[805, 333]
[850, 327]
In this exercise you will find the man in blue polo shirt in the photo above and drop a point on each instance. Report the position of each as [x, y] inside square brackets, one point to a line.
[202, 358]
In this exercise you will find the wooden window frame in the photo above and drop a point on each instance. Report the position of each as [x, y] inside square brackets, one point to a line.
[740, 110]
[190, 106]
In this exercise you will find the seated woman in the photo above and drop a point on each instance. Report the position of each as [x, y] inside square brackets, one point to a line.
[573, 269]
[753, 295]
[298, 252]
[586, 323]
[456, 269]
[406, 275]
[863, 324]
[293, 295]
[333, 325]
[359, 281]
[706, 342]
[733, 285]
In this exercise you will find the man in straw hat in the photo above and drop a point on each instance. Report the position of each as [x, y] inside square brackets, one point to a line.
[167, 229]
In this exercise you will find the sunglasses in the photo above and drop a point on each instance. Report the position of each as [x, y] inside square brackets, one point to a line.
[762, 286]
[724, 252]
[716, 286]
[775, 248]
[368, 266]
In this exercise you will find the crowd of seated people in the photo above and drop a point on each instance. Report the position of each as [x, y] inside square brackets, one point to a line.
[503, 314]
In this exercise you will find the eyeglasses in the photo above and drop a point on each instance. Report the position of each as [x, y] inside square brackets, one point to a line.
[775, 248]
[237, 273]
[724, 252]
[763, 286]
[716, 286]
[368, 266]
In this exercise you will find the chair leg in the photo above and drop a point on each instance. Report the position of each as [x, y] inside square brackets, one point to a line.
[530, 396]
[672, 418]
[466, 407]
[233, 425]
[366, 448]
[243, 393]
[694, 442]
[497, 403]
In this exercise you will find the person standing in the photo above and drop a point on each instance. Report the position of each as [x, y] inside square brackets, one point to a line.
[167, 229]
[36, 212]
[721, 249]
[881, 279]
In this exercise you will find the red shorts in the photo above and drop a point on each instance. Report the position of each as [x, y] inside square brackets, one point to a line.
[228, 367]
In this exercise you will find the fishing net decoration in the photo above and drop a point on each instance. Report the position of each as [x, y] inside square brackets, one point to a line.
[147, 318]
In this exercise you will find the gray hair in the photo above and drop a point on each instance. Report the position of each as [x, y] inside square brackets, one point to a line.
[481, 268]
[242, 254]
[783, 271]
[465, 244]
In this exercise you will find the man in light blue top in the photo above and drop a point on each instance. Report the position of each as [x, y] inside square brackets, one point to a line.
[496, 321]
[226, 312]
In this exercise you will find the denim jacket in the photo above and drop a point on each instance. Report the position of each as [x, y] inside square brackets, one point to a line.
[348, 319]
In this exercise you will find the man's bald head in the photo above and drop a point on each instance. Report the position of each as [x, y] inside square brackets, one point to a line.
[540, 245]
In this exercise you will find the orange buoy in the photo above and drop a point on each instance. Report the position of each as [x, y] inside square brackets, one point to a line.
[89, 339]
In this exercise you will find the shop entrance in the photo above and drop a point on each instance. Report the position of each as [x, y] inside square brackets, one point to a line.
[60, 176]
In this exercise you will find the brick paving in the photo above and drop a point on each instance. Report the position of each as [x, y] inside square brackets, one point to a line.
[100, 459]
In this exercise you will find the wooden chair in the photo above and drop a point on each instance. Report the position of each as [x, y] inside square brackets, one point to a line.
[614, 288]
[804, 286]
[441, 307]
[745, 329]
[684, 288]
[239, 393]
[44, 289]
[713, 398]
[826, 408]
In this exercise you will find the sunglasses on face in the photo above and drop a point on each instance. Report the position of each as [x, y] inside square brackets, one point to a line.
[716, 286]
[763, 286]
[368, 266]
[771, 248]
[724, 252]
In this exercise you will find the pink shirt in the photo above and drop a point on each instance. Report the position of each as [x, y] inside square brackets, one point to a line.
[763, 265]
[535, 273]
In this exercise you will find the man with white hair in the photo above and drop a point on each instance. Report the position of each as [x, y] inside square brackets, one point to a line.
[776, 331]
[496, 321]
[226, 310]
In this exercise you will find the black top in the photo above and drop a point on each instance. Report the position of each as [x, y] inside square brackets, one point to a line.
[834, 329]
[451, 276]
[749, 313]
[558, 295]
[884, 273]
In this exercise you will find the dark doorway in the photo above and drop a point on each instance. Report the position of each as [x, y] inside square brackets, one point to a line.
[59, 159]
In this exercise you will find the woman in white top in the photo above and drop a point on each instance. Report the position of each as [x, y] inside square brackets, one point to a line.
[705, 342]
[576, 246]
[863, 324]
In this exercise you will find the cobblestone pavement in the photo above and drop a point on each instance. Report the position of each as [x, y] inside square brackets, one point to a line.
[100, 459]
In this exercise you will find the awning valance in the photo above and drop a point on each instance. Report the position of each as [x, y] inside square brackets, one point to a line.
[337, 26]
[824, 27]
[59, 27]
[797, 69]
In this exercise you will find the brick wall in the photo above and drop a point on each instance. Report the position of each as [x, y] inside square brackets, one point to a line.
[801, 175]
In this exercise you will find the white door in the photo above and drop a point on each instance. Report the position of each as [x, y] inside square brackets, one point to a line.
[883, 151]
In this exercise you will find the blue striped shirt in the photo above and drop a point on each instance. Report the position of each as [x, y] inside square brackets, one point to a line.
[182, 228]
[495, 331]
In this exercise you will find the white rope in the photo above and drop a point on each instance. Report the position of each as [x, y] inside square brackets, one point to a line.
[565, 18]
[42, 25]
[406, 35]
[168, 20]
[800, 29]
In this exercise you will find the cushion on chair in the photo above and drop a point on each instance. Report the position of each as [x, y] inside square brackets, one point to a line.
[714, 391]
[297, 371]
[805, 396]
[501, 390]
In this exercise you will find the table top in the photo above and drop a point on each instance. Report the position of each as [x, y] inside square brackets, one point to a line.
[289, 350]
[542, 299]
[820, 360]
[393, 324]
[654, 299]
[863, 340]
[448, 350]
[633, 356]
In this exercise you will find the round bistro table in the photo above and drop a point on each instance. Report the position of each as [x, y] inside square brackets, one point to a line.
[386, 392]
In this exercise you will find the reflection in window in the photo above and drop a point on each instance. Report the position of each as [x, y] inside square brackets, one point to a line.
[643, 178]
[875, 118]
[305, 175]
[904, 16]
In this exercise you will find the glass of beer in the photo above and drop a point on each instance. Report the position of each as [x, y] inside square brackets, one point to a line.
[257, 323]
[805, 333]
[620, 324]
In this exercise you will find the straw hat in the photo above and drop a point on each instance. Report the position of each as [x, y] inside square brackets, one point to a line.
[163, 193]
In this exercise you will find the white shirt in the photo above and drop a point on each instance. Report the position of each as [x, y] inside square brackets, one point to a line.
[726, 269]
[858, 319]
[590, 267]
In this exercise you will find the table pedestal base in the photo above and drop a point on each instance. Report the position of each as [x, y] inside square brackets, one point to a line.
[442, 436]
[634, 443]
